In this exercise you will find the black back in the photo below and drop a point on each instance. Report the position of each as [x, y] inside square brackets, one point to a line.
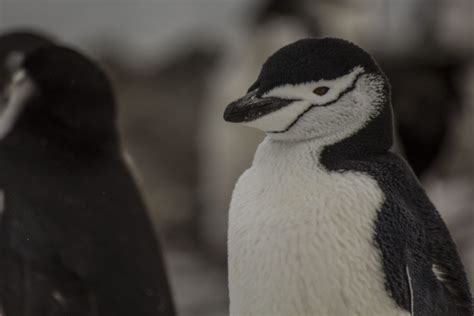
[75, 238]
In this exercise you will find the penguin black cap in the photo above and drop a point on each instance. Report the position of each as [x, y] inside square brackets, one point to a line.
[312, 60]
[306, 60]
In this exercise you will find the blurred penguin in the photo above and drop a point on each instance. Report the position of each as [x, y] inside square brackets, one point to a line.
[75, 238]
[276, 23]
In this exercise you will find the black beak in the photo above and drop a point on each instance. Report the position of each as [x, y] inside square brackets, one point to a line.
[250, 107]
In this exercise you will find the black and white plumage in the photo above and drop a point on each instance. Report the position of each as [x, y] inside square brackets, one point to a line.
[328, 221]
[75, 238]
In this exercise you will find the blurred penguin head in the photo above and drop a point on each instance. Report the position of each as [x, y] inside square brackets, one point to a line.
[13, 48]
[58, 93]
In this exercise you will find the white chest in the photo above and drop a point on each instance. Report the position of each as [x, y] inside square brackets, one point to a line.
[301, 240]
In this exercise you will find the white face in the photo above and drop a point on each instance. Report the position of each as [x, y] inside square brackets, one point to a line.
[20, 91]
[348, 104]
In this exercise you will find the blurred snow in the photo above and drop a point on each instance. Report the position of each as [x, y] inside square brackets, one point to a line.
[398, 26]
[143, 29]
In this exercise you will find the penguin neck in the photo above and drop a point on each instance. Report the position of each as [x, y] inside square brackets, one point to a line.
[375, 138]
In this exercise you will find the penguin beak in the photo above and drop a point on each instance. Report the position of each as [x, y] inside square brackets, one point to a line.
[251, 107]
[12, 64]
[20, 90]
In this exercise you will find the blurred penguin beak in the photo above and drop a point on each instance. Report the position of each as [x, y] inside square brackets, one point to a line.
[13, 100]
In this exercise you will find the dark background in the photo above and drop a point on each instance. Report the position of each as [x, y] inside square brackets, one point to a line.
[176, 64]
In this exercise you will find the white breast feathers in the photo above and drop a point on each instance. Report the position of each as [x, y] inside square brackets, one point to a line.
[301, 238]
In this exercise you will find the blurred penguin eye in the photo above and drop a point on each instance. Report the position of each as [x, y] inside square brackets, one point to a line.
[321, 90]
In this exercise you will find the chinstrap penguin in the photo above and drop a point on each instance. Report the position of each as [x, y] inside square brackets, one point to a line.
[328, 221]
[75, 238]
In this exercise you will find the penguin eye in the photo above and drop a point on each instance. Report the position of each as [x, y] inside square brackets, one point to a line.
[321, 90]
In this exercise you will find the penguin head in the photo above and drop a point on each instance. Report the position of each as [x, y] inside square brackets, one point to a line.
[60, 94]
[13, 48]
[314, 88]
